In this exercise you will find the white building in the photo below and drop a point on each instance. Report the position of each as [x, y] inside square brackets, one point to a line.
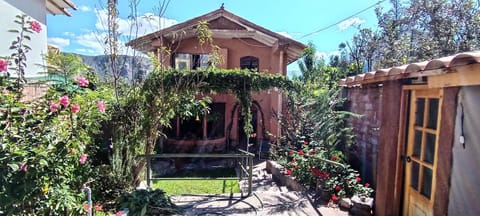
[37, 10]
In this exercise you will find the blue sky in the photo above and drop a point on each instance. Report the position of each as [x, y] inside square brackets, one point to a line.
[82, 33]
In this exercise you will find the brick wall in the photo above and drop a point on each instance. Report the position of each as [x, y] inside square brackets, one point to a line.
[365, 101]
[33, 92]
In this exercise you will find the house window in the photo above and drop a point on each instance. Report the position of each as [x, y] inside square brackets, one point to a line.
[193, 128]
[183, 61]
[249, 62]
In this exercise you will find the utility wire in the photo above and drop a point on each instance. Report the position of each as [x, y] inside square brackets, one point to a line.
[334, 24]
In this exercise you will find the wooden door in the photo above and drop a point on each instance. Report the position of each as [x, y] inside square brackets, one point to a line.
[422, 145]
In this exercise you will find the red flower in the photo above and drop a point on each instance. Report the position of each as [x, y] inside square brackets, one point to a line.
[334, 158]
[326, 175]
[338, 187]
[334, 198]
[312, 153]
[305, 142]
[35, 26]
[3, 65]
[75, 108]
[358, 179]
[292, 152]
[301, 153]
[289, 172]
[367, 184]
[118, 214]
[293, 160]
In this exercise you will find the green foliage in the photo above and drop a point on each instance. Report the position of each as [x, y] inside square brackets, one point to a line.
[187, 186]
[45, 145]
[143, 202]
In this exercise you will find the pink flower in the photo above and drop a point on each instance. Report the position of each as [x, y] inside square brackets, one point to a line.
[338, 187]
[301, 153]
[305, 142]
[22, 166]
[101, 106]
[5, 91]
[118, 214]
[36, 26]
[82, 81]
[358, 179]
[64, 101]
[75, 108]
[367, 184]
[289, 172]
[83, 158]
[3, 65]
[54, 107]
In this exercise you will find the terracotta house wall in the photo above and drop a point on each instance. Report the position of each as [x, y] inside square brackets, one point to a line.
[271, 60]
[367, 102]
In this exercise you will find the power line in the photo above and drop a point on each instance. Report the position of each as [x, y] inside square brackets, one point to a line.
[334, 24]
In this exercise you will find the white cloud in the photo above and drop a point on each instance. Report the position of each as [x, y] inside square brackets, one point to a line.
[146, 23]
[60, 42]
[92, 41]
[286, 34]
[84, 8]
[69, 34]
[350, 22]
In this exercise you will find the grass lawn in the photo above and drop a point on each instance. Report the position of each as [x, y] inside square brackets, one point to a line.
[197, 186]
[210, 186]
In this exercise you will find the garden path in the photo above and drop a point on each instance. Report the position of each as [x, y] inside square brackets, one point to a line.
[268, 199]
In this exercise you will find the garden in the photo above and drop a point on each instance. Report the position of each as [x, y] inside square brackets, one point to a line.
[86, 133]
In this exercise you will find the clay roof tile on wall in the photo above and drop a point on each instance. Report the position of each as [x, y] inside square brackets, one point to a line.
[56, 7]
[404, 71]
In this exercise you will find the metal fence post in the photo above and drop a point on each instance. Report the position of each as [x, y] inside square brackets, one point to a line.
[250, 164]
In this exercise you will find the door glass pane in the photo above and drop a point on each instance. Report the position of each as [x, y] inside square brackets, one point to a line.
[432, 113]
[427, 182]
[414, 175]
[420, 111]
[417, 144]
[429, 152]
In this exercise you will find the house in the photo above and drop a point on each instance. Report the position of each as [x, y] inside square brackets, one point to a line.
[420, 129]
[242, 44]
[36, 10]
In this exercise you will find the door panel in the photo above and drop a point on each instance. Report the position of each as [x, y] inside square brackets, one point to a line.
[422, 145]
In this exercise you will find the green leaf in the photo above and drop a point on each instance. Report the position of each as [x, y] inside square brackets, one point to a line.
[13, 166]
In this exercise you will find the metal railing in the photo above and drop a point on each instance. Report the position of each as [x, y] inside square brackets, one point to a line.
[244, 159]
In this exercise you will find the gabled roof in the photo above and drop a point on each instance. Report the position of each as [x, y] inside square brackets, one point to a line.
[238, 28]
[56, 7]
[419, 69]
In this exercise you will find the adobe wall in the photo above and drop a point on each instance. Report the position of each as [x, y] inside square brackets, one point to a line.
[365, 101]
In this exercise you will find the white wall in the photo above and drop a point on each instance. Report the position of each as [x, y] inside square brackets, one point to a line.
[35, 9]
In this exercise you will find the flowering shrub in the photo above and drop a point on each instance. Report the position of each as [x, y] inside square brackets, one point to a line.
[331, 176]
[44, 144]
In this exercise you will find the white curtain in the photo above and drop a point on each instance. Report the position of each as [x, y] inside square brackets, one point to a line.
[465, 180]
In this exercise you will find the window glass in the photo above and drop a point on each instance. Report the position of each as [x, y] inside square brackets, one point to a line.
[183, 61]
[249, 62]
